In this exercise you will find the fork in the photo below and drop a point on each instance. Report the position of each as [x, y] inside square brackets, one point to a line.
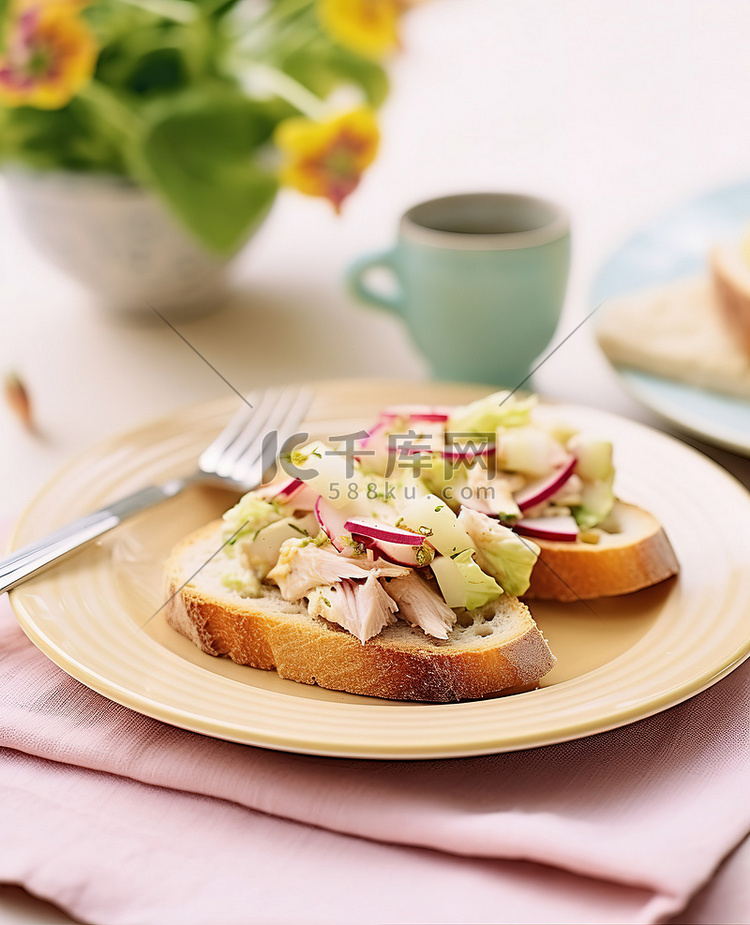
[237, 458]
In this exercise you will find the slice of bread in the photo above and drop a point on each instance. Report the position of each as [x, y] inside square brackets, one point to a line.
[676, 332]
[731, 275]
[637, 556]
[490, 649]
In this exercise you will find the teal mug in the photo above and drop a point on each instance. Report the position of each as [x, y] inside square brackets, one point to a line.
[479, 280]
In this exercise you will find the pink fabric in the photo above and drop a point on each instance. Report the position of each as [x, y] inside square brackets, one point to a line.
[121, 819]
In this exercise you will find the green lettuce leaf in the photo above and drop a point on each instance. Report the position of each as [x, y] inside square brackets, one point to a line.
[500, 552]
[484, 416]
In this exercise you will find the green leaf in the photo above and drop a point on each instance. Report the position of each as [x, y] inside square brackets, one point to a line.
[62, 139]
[199, 154]
[321, 66]
[3, 21]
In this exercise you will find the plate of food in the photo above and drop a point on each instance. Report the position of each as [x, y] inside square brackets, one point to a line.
[675, 315]
[432, 572]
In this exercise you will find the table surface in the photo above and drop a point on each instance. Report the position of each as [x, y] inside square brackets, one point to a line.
[618, 110]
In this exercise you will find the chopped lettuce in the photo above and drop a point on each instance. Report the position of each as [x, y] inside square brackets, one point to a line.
[249, 515]
[480, 587]
[501, 409]
[499, 551]
[433, 519]
[244, 581]
[593, 457]
[594, 466]
[597, 501]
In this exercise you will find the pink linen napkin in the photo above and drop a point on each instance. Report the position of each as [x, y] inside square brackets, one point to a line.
[119, 818]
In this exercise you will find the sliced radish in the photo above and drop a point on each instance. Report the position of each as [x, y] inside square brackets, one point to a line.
[415, 413]
[400, 546]
[541, 489]
[398, 553]
[333, 520]
[371, 452]
[371, 434]
[290, 488]
[369, 526]
[562, 529]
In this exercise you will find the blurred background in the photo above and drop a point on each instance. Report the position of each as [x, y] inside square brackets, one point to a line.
[616, 110]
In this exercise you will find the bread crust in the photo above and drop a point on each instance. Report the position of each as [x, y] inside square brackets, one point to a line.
[402, 663]
[638, 557]
[398, 664]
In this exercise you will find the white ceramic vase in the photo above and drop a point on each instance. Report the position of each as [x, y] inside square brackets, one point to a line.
[119, 241]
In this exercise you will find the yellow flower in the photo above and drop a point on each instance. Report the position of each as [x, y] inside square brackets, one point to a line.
[328, 158]
[50, 54]
[369, 27]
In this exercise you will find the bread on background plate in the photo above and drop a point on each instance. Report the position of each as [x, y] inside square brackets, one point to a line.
[677, 331]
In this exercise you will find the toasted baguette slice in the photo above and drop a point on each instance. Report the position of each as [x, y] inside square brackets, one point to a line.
[490, 649]
[731, 275]
[676, 332]
[637, 556]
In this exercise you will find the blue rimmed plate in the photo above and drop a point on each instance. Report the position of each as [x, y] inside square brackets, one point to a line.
[672, 246]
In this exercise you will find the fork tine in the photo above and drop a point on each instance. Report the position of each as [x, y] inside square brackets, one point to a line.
[210, 457]
[254, 426]
[272, 406]
[249, 468]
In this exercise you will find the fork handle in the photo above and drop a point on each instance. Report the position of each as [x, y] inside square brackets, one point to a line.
[27, 561]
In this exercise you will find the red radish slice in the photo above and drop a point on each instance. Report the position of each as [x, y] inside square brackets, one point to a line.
[541, 489]
[290, 488]
[373, 432]
[398, 553]
[333, 522]
[415, 413]
[563, 529]
[400, 546]
[371, 450]
[296, 490]
[368, 526]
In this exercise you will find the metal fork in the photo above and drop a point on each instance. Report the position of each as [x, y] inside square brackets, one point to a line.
[237, 458]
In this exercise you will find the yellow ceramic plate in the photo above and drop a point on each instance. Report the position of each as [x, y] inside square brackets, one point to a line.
[618, 660]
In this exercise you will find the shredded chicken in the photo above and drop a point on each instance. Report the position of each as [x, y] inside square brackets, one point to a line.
[303, 566]
[419, 605]
[363, 609]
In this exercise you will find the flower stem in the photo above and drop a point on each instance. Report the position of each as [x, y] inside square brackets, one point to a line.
[286, 87]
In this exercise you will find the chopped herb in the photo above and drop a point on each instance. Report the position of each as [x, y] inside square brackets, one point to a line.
[424, 555]
[439, 508]
[326, 601]
[358, 548]
[299, 530]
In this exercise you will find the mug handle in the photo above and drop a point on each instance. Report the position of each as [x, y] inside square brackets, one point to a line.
[356, 277]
